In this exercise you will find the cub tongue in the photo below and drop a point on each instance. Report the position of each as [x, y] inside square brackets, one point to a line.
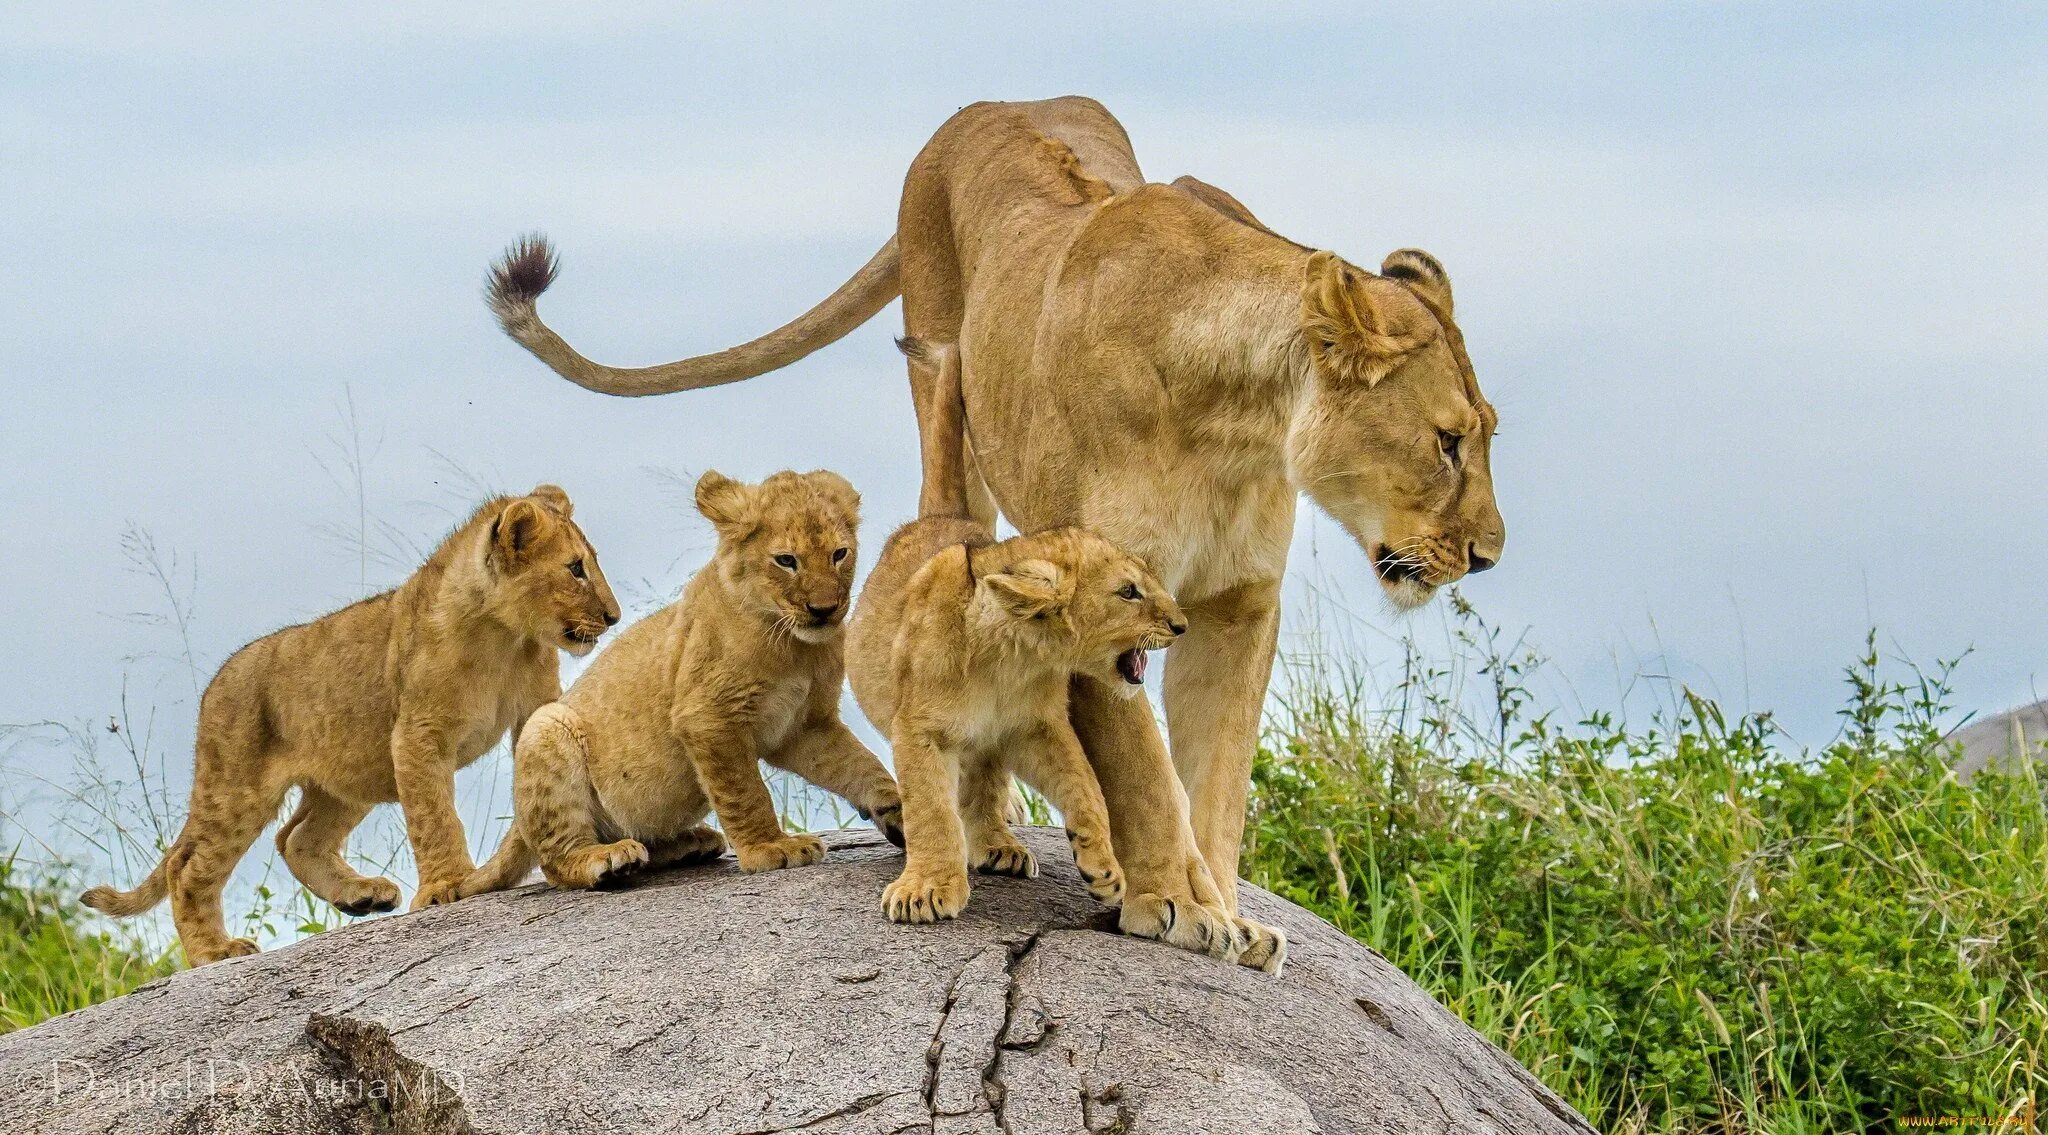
[1131, 664]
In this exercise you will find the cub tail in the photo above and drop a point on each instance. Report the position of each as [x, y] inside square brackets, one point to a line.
[943, 431]
[127, 904]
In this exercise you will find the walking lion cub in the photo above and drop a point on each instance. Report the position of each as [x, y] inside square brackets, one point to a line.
[383, 700]
[670, 723]
[962, 649]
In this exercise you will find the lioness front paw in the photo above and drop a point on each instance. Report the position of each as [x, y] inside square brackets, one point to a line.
[367, 896]
[1265, 946]
[1012, 859]
[924, 899]
[1183, 923]
[789, 851]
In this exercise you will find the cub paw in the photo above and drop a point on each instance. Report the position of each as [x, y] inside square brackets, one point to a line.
[1265, 946]
[598, 865]
[925, 900]
[368, 896]
[1098, 868]
[1012, 859]
[698, 845]
[789, 851]
[888, 819]
[1182, 923]
[437, 894]
[232, 948]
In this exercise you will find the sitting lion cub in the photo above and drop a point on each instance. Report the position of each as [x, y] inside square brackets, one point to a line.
[383, 700]
[961, 651]
[671, 722]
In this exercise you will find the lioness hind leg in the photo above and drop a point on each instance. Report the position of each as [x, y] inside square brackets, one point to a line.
[992, 848]
[700, 844]
[311, 844]
[553, 800]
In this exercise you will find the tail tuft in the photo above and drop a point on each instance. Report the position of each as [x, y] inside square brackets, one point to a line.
[125, 904]
[917, 351]
[518, 279]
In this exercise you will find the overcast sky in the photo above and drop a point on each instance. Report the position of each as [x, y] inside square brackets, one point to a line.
[1759, 297]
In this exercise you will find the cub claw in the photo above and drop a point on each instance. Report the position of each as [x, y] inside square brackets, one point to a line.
[1013, 859]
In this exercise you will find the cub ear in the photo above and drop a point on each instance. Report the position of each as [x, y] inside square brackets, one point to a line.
[1028, 589]
[1424, 274]
[726, 503]
[518, 528]
[839, 491]
[554, 498]
[1351, 331]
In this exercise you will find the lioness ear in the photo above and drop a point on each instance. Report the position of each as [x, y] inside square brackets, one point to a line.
[1423, 274]
[1351, 331]
[1028, 589]
[555, 498]
[840, 491]
[517, 529]
[726, 503]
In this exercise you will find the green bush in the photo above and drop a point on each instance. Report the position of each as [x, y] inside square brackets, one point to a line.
[1686, 929]
[49, 964]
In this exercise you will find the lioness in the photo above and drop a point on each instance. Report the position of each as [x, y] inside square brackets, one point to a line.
[383, 700]
[672, 721]
[1151, 362]
[961, 648]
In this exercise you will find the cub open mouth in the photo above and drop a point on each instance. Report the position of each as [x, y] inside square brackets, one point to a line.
[578, 637]
[1130, 666]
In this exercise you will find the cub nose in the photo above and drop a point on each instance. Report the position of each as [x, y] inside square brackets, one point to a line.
[821, 612]
[1178, 628]
[611, 618]
[1480, 563]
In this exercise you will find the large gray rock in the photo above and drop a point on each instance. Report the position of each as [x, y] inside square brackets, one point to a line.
[704, 1000]
[2001, 740]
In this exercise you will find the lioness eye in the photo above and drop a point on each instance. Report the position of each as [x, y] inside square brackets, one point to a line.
[838, 555]
[786, 562]
[576, 568]
[1130, 591]
[1448, 442]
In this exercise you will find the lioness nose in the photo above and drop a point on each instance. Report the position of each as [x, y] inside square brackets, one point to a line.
[1479, 562]
[821, 612]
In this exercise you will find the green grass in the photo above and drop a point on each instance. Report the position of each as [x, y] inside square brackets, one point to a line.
[50, 962]
[1689, 928]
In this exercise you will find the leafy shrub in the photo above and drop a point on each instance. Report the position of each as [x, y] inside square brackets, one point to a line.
[49, 964]
[1689, 928]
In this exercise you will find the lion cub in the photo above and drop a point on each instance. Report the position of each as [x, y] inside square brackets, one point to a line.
[383, 700]
[961, 651]
[671, 722]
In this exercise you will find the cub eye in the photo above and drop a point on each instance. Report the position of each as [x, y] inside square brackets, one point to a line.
[1448, 443]
[838, 554]
[1130, 591]
[576, 568]
[786, 561]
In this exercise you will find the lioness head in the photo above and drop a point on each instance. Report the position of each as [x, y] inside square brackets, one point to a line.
[786, 546]
[548, 581]
[1393, 440]
[1082, 599]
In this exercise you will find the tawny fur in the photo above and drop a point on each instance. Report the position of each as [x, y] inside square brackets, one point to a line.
[1160, 367]
[380, 701]
[671, 722]
[961, 650]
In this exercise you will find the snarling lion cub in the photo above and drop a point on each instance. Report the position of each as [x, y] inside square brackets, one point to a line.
[671, 722]
[383, 700]
[962, 649]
